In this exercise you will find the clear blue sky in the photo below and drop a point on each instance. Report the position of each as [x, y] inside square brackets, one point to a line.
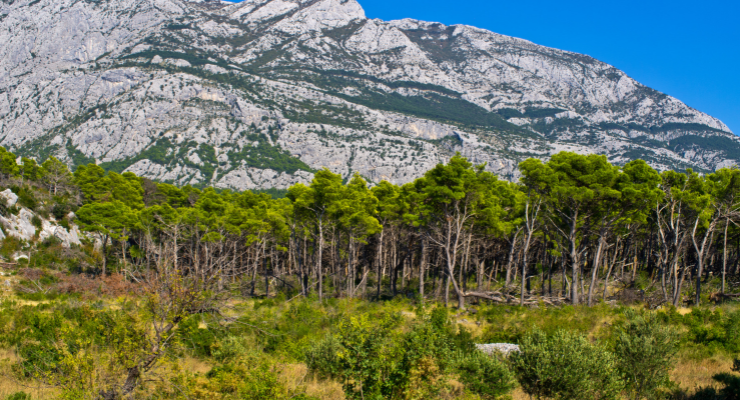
[687, 49]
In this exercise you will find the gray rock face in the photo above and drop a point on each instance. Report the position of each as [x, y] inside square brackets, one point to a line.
[259, 94]
[9, 197]
[493, 348]
[21, 225]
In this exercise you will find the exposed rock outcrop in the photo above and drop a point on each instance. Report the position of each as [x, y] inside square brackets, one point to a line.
[259, 94]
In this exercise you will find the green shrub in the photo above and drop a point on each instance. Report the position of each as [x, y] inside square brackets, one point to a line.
[364, 355]
[65, 224]
[645, 351]
[484, 375]
[60, 211]
[199, 340]
[19, 396]
[26, 197]
[565, 365]
[36, 221]
[249, 377]
[229, 348]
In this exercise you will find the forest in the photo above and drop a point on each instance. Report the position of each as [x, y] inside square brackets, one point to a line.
[611, 279]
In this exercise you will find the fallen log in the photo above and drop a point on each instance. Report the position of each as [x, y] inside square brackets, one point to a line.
[499, 297]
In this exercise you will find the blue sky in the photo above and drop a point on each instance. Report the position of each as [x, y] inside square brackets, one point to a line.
[687, 49]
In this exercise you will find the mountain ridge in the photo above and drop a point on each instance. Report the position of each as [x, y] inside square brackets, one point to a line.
[259, 94]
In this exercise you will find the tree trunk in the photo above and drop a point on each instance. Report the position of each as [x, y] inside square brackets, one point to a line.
[422, 266]
[574, 259]
[511, 258]
[597, 260]
[724, 256]
[319, 257]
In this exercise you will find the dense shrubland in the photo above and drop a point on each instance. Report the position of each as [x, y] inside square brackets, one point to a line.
[342, 289]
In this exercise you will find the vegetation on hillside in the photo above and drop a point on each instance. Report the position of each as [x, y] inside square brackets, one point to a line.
[341, 290]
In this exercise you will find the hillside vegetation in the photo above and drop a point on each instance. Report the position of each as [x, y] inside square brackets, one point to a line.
[616, 282]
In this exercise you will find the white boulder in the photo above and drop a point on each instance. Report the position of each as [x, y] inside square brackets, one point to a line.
[10, 198]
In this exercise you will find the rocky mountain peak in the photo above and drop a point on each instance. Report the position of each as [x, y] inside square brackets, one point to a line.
[260, 94]
[298, 16]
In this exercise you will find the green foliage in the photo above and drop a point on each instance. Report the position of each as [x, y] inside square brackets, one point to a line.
[564, 366]
[108, 219]
[26, 197]
[19, 396]
[161, 152]
[8, 165]
[363, 355]
[485, 375]
[200, 341]
[36, 221]
[265, 156]
[713, 330]
[645, 350]
[726, 145]
[98, 186]
[60, 211]
[247, 375]
[78, 158]
[29, 169]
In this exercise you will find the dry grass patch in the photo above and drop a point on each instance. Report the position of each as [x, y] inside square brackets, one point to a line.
[692, 374]
[518, 394]
[297, 379]
[10, 385]
[195, 366]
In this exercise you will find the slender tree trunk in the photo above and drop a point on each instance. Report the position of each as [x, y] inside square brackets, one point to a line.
[525, 260]
[319, 258]
[422, 267]
[574, 258]
[380, 262]
[597, 260]
[105, 253]
[724, 255]
[510, 262]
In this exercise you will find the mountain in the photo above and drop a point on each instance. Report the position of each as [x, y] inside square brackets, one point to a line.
[259, 94]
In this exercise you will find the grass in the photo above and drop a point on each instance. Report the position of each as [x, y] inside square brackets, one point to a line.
[691, 374]
[295, 376]
[294, 325]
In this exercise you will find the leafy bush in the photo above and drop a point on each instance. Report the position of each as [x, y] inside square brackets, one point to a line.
[60, 211]
[714, 330]
[363, 355]
[645, 349]
[565, 366]
[19, 396]
[26, 197]
[250, 376]
[484, 375]
[36, 221]
[199, 340]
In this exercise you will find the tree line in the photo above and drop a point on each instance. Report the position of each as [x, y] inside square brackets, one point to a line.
[572, 229]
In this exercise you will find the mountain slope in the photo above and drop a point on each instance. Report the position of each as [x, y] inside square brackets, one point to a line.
[261, 93]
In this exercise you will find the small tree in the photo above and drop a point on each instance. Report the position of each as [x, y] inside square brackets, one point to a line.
[108, 220]
[645, 351]
[55, 174]
[29, 170]
[566, 366]
[8, 165]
